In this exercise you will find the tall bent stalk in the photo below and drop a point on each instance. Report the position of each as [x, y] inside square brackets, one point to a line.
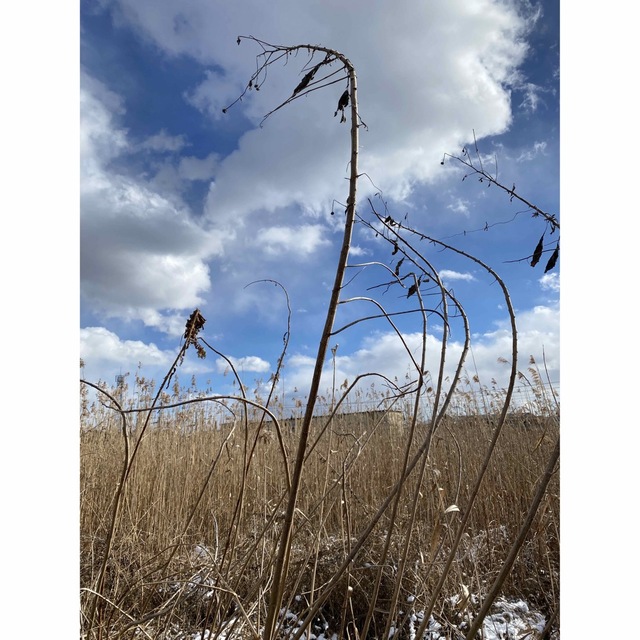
[284, 547]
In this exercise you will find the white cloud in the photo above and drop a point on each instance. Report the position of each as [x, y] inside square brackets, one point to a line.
[140, 252]
[106, 355]
[385, 353]
[174, 175]
[100, 344]
[192, 168]
[531, 98]
[443, 70]
[162, 141]
[459, 205]
[245, 364]
[448, 274]
[357, 251]
[297, 241]
[550, 282]
[300, 361]
[538, 333]
[101, 140]
[215, 93]
[538, 148]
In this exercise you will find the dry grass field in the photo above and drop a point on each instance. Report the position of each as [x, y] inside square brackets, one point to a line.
[193, 543]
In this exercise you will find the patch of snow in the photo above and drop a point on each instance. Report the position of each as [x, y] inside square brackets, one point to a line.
[509, 620]
[512, 621]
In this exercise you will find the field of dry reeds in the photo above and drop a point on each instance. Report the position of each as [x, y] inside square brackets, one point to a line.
[192, 547]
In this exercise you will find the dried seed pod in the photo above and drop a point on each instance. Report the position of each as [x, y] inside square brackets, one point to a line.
[194, 324]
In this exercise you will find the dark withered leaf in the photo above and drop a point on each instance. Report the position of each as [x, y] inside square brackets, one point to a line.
[553, 259]
[412, 289]
[343, 103]
[397, 270]
[395, 249]
[305, 81]
[537, 253]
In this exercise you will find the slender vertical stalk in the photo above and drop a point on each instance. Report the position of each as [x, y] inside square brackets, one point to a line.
[284, 549]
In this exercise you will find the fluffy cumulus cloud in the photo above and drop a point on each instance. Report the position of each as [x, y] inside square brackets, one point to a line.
[550, 282]
[448, 275]
[98, 343]
[397, 358]
[416, 109]
[104, 355]
[252, 364]
[137, 250]
[297, 241]
[141, 252]
[191, 168]
[214, 94]
[101, 140]
[162, 141]
[173, 176]
[442, 67]
[538, 338]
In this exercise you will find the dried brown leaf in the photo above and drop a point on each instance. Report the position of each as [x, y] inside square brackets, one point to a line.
[538, 252]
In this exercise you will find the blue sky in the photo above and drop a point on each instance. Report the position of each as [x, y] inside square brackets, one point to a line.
[183, 206]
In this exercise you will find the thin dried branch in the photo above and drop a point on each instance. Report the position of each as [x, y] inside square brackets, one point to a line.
[476, 167]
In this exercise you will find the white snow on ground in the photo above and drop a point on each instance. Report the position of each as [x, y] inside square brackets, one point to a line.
[513, 621]
[507, 620]
[510, 620]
